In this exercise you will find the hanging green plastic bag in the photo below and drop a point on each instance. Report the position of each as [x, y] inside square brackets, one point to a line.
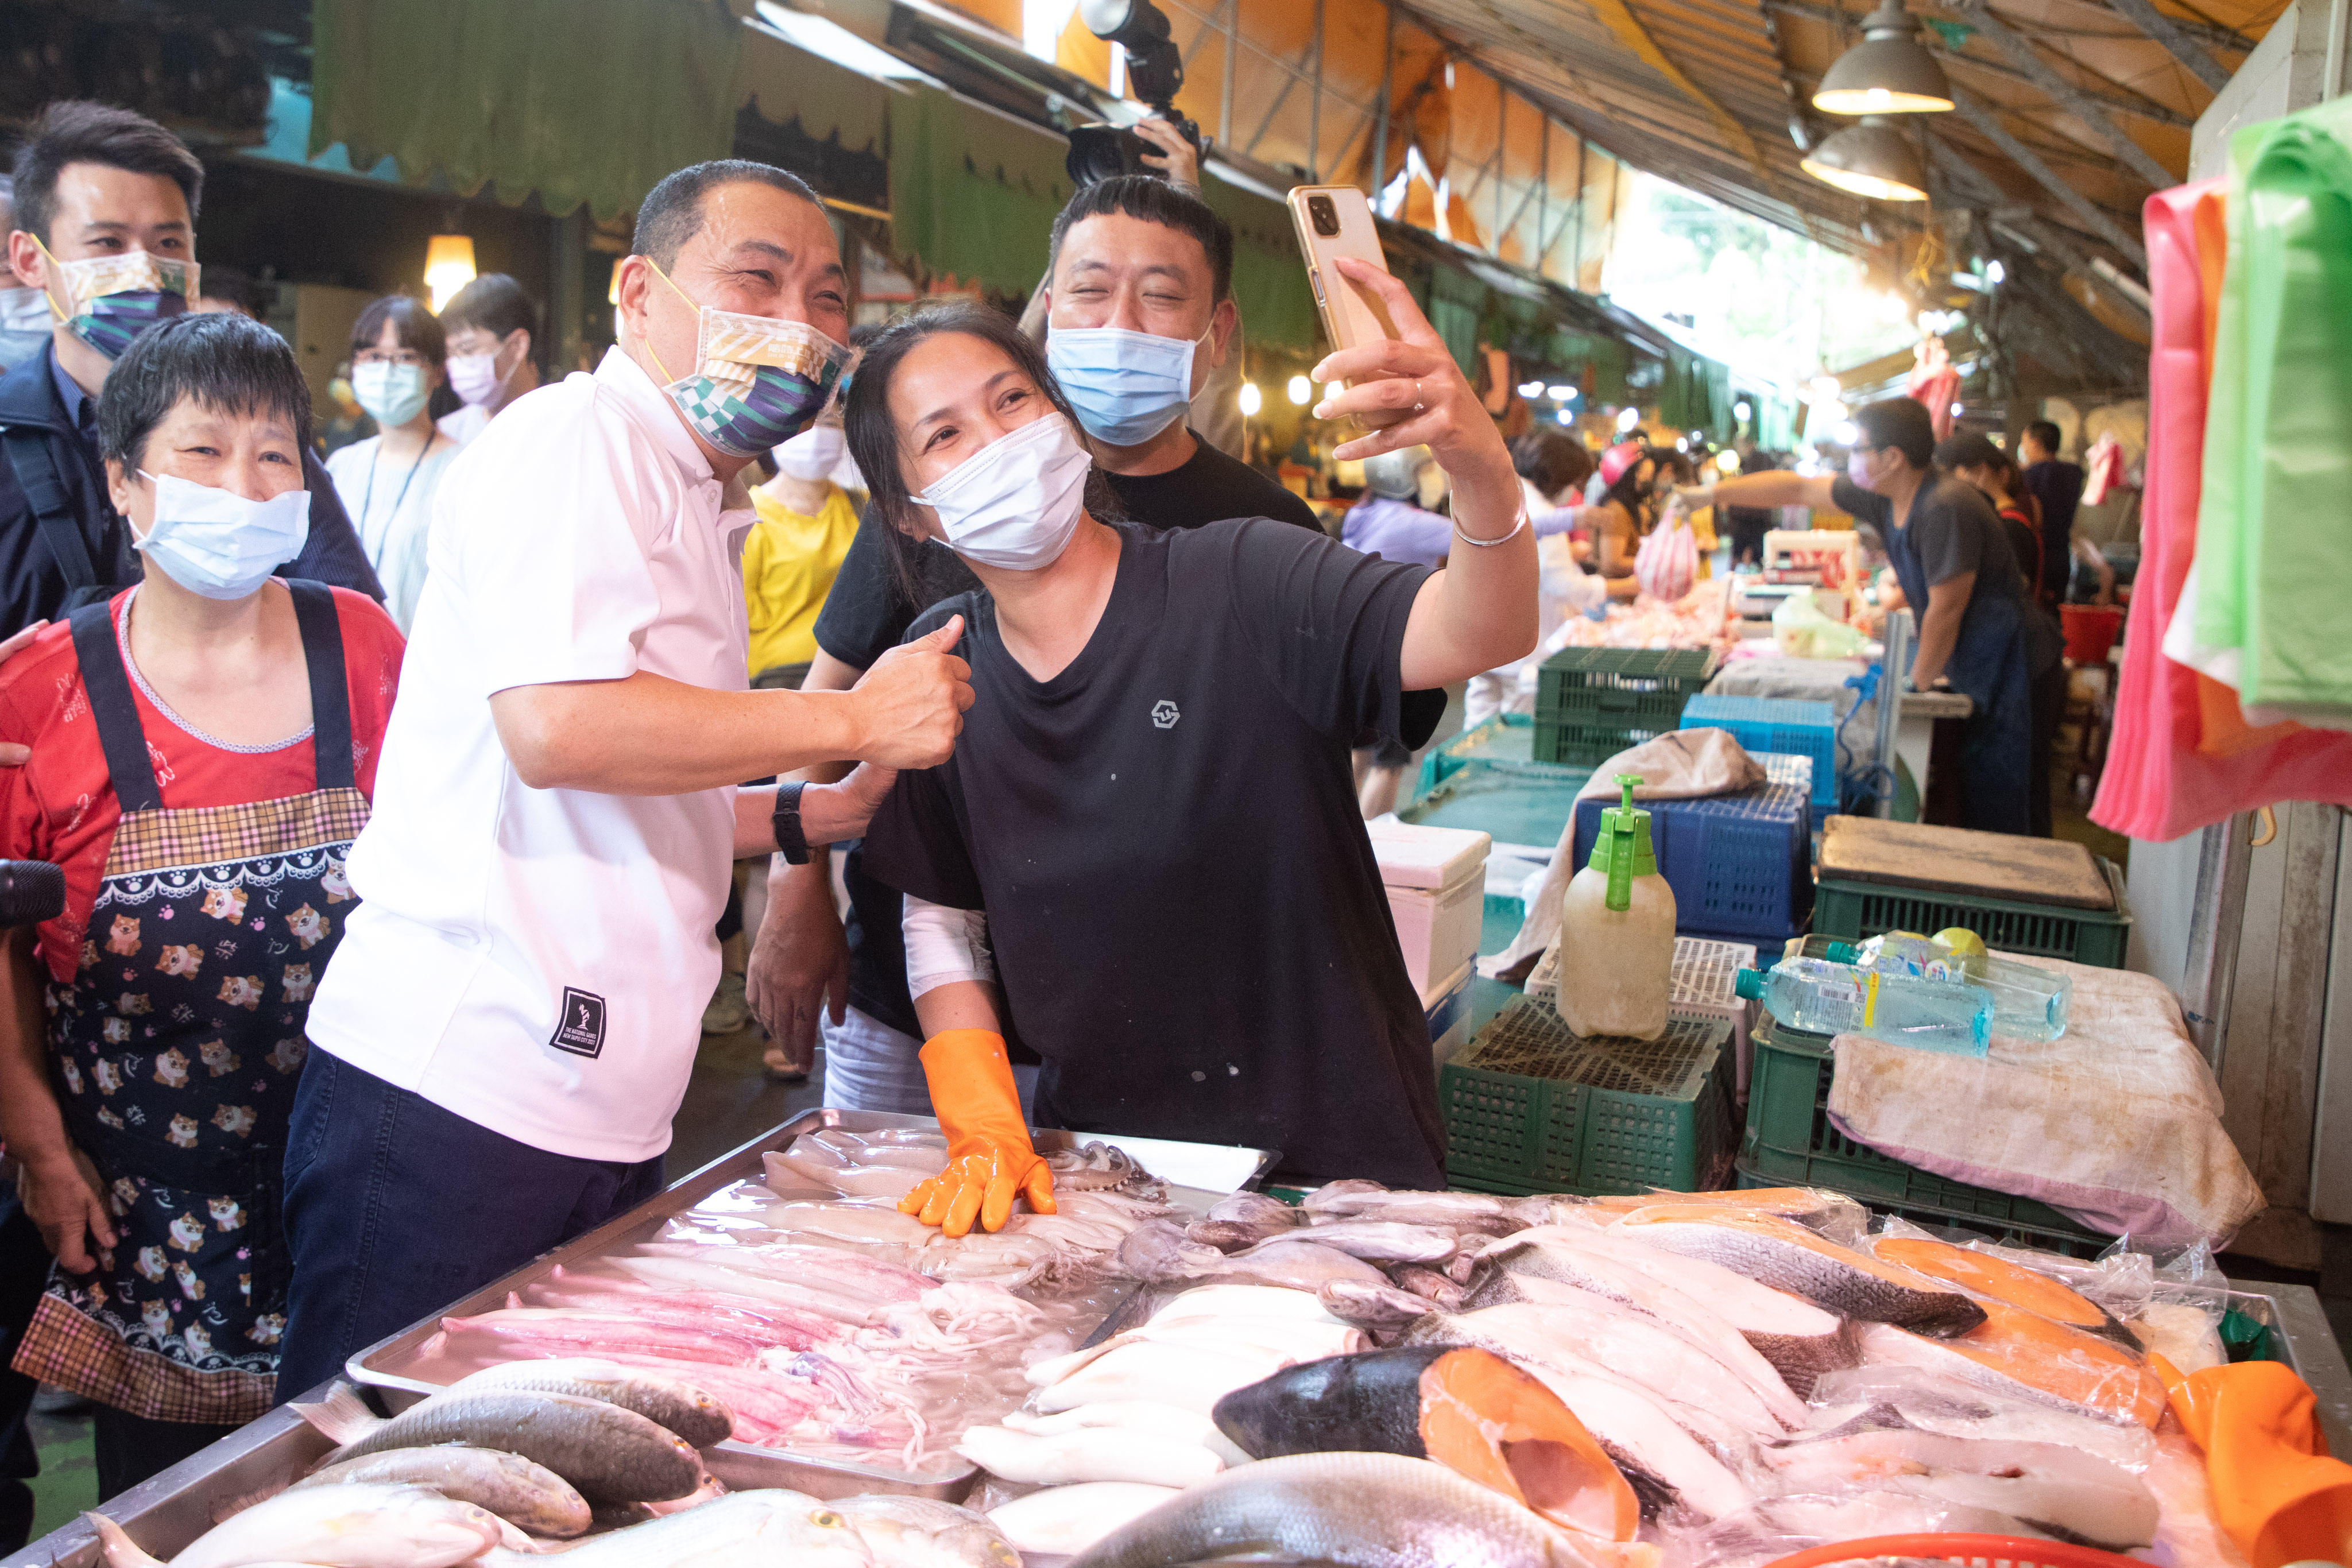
[2273, 557]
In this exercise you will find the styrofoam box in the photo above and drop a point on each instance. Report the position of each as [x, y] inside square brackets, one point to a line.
[1448, 1008]
[1703, 982]
[1436, 879]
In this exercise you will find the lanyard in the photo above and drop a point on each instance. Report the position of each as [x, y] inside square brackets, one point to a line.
[367, 502]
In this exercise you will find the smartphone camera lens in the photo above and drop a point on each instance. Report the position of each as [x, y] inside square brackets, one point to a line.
[1324, 217]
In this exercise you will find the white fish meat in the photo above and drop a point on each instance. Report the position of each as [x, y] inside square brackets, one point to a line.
[2047, 1485]
[742, 1530]
[333, 1527]
[1062, 1522]
[1644, 1350]
[1095, 1454]
[1296, 1341]
[922, 1532]
[1939, 1402]
[1670, 1310]
[1773, 1251]
[1651, 1436]
[1249, 1301]
[1136, 1415]
[1800, 1340]
[1189, 1377]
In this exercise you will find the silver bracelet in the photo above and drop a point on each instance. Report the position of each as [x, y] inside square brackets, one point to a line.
[1490, 544]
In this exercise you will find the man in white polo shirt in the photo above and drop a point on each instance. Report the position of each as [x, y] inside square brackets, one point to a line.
[511, 1017]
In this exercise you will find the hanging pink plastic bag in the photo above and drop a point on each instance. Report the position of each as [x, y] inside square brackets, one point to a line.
[1667, 563]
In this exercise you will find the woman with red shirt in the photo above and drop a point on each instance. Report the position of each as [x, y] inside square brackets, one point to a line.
[202, 750]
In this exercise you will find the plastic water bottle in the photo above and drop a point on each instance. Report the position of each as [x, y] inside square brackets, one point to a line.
[1902, 1009]
[2028, 1003]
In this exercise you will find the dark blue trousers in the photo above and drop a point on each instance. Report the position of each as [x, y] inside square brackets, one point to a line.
[396, 1208]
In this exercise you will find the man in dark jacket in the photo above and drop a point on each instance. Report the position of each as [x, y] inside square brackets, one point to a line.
[106, 205]
[2058, 485]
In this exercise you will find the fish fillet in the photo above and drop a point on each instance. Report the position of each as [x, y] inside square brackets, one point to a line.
[1983, 1274]
[2015, 1351]
[1093, 1454]
[1649, 1352]
[1062, 1522]
[1788, 1257]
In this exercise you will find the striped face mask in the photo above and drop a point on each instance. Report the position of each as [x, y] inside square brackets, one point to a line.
[758, 380]
[114, 299]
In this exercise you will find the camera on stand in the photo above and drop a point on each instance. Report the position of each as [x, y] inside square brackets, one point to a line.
[1155, 67]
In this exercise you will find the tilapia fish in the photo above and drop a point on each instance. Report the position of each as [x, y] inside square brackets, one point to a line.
[2057, 1489]
[1365, 1511]
[1468, 1409]
[333, 1527]
[666, 1402]
[1788, 1257]
[529, 1496]
[612, 1454]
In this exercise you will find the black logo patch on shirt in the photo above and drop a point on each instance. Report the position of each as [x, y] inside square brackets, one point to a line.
[580, 1029]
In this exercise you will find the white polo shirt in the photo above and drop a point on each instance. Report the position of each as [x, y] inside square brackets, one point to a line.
[538, 960]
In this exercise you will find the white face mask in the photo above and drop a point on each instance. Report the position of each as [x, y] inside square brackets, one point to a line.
[392, 394]
[474, 378]
[24, 311]
[813, 454]
[1014, 503]
[215, 542]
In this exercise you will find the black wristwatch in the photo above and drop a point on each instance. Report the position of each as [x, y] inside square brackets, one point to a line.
[791, 842]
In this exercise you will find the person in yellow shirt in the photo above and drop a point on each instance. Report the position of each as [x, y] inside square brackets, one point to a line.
[806, 522]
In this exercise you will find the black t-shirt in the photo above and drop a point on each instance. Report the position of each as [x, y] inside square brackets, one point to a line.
[868, 610]
[1953, 530]
[1183, 904]
[2059, 488]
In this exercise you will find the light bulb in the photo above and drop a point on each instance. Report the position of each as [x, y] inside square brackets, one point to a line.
[1560, 393]
[1531, 389]
[1848, 433]
[1300, 389]
[1994, 272]
[1740, 411]
[1565, 417]
[1630, 419]
[1726, 462]
[1249, 399]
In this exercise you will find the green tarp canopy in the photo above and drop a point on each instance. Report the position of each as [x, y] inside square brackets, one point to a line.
[973, 193]
[583, 100]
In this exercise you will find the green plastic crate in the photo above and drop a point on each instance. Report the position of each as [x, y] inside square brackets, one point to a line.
[1593, 703]
[1853, 910]
[1789, 1141]
[1530, 1107]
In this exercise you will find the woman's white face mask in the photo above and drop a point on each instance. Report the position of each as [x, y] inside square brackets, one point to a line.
[1015, 503]
[217, 543]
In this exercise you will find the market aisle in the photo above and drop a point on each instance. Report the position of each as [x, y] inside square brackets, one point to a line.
[729, 1101]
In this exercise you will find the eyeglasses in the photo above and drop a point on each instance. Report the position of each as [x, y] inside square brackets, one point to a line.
[389, 357]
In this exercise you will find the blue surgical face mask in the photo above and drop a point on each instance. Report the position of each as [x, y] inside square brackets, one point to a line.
[1126, 386]
[218, 544]
[392, 394]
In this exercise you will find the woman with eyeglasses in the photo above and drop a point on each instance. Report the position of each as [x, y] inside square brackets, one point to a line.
[399, 357]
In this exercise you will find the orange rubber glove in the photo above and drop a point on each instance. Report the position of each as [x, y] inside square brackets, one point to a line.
[990, 1162]
[2275, 1491]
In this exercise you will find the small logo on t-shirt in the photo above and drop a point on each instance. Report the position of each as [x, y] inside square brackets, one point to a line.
[1164, 715]
[580, 1029]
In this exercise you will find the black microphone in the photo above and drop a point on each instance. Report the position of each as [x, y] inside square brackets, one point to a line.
[30, 891]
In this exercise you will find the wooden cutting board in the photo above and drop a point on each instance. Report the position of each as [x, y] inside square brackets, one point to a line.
[1956, 860]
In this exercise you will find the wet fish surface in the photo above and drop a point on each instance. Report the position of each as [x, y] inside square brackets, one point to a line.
[609, 1454]
[524, 1494]
[667, 1402]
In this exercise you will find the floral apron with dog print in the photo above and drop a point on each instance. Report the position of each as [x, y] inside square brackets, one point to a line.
[176, 1051]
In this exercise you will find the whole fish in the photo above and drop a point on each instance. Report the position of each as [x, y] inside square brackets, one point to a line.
[1538, 1273]
[922, 1532]
[1094, 1454]
[1439, 1290]
[529, 1496]
[333, 1527]
[1459, 1211]
[1379, 1240]
[1800, 1340]
[1469, 1409]
[1061, 1521]
[612, 1454]
[1380, 1307]
[1788, 1257]
[1157, 1253]
[1360, 1510]
[681, 1408]
[2048, 1485]
[742, 1530]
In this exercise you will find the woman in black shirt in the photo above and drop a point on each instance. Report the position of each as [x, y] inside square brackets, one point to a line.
[1151, 798]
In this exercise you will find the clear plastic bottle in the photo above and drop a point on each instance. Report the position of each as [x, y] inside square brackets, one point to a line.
[1816, 994]
[2029, 1002]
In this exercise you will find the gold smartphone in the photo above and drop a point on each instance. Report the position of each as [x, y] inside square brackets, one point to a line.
[1335, 220]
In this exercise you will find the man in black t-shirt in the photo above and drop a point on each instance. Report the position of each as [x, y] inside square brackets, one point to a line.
[2057, 484]
[1141, 312]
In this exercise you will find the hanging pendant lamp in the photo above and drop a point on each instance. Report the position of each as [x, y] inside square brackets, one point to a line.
[1874, 159]
[1889, 72]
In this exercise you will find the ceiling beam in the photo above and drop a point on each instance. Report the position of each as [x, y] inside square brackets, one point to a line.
[2070, 97]
[2144, 16]
[2024, 157]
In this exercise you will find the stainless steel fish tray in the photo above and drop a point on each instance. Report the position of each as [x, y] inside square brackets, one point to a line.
[389, 1366]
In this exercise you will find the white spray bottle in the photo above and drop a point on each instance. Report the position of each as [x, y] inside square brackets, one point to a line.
[1617, 931]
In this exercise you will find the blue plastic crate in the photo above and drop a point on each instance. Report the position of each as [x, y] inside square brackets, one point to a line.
[1776, 723]
[1740, 865]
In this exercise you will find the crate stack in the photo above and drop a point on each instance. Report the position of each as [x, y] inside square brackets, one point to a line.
[1593, 703]
[1740, 864]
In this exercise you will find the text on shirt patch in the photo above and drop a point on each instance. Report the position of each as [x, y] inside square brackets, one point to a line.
[581, 1028]
[1164, 715]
